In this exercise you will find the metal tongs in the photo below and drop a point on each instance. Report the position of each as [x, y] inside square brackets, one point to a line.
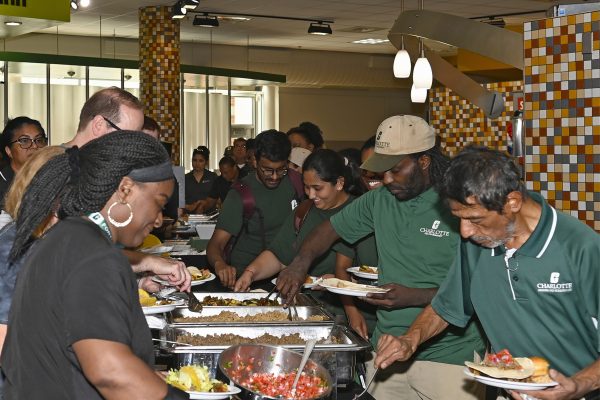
[290, 307]
[194, 304]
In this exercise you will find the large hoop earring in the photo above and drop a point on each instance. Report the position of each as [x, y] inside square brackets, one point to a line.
[120, 224]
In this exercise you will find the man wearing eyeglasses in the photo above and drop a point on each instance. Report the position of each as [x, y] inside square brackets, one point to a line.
[108, 110]
[274, 196]
[21, 138]
[114, 109]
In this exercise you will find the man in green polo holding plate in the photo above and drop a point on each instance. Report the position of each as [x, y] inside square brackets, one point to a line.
[530, 273]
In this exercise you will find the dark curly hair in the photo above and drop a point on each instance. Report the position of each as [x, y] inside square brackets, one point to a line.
[272, 145]
[310, 132]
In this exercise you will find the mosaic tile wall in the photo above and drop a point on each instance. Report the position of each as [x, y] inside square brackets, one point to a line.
[159, 71]
[562, 113]
[460, 123]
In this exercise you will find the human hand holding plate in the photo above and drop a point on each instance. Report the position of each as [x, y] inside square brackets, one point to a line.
[400, 296]
[564, 387]
[348, 288]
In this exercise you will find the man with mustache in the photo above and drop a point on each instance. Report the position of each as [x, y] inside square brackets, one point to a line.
[416, 242]
[528, 272]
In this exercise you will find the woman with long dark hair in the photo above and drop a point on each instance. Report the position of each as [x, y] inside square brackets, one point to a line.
[198, 182]
[76, 328]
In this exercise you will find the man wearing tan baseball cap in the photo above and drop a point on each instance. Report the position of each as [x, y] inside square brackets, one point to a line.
[398, 137]
[416, 239]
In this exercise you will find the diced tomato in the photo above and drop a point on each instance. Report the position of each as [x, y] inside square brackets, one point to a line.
[273, 385]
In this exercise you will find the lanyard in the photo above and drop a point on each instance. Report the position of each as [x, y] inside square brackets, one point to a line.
[98, 219]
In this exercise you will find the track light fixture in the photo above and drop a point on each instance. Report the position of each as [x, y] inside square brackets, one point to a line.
[206, 21]
[210, 19]
[75, 4]
[319, 28]
[179, 10]
[191, 4]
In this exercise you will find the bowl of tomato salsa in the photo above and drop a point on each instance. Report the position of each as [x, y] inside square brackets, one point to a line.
[268, 372]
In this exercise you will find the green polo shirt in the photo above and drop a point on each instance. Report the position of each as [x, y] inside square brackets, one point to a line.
[287, 244]
[275, 205]
[416, 244]
[363, 252]
[545, 303]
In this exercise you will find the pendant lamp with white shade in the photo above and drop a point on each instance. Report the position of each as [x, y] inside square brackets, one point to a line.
[418, 95]
[402, 63]
[422, 74]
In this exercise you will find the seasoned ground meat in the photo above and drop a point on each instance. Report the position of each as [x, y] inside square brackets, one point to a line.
[230, 316]
[231, 339]
[216, 301]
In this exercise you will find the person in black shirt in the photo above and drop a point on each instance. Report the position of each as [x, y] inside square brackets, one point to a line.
[76, 328]
[198, 182]
[229, 174]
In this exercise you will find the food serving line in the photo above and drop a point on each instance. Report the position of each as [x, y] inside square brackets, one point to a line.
[202, 337]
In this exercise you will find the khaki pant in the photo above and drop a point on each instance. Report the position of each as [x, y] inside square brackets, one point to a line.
[423, 380]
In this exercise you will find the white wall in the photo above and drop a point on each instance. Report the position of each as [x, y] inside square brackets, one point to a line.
[343, 114]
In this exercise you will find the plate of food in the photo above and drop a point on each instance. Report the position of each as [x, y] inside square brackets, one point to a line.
[515, 373]
[348, 288]
[199, 277]
[196, 381]
[364, 271]
[152, 305]
[309, 282]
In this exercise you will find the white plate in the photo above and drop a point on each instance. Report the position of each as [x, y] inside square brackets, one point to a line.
[157, 249]
[360, 274]
[162, 309]
[215, 395]
[315, 282]
[194, 283]
[355, 289]
[504, 384]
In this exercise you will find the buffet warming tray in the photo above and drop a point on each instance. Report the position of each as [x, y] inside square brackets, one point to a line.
[336, 337]
[320, 316]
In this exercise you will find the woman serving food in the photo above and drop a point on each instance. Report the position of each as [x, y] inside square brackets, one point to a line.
[76, 328]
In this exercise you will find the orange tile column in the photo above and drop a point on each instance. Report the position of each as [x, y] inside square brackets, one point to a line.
[159, 71]
[562, 113]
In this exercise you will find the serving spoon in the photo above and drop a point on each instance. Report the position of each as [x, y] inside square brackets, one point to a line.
[310, 344]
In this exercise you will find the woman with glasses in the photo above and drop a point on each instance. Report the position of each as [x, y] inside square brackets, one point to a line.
[199, 182]
[21, 138]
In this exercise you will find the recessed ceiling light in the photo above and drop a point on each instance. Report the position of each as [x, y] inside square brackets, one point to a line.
[84, 3]
[12, 23]
[370, 41]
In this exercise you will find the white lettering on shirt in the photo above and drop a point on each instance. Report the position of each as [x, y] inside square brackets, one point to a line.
[554, 286]
[434, 231]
